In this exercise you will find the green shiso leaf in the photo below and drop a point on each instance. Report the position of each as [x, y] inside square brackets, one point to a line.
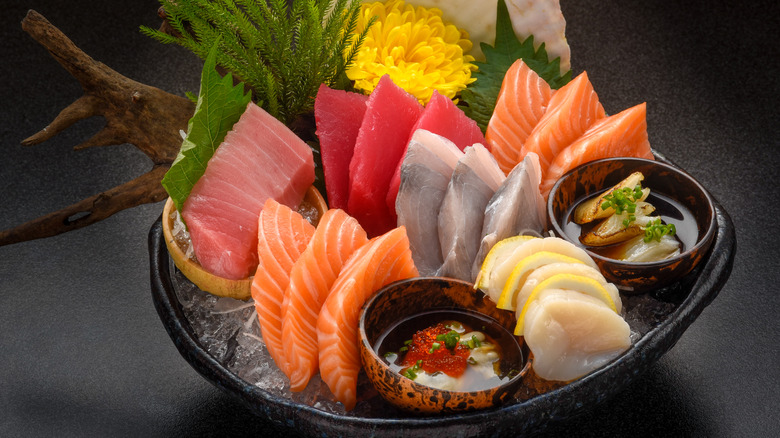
[220, 104]
[480, 97]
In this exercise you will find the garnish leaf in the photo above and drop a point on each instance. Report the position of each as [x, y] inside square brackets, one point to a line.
[220, 104]
[481, 95]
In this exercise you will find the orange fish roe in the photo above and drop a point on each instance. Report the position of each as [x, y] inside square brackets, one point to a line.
[430, 354]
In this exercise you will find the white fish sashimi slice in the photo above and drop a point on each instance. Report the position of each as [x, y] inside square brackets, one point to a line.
[484, 164]
[544, 20]
[571, 334]
[441, 146]
[544, 272]
[425, 174]
[464, 206]
[517, 208]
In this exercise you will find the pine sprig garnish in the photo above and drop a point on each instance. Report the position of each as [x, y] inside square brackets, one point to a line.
[479, 98]
[281, 51]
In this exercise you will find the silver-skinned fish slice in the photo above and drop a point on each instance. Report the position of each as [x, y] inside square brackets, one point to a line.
[475, 179]
[425, 174]
[516, 208]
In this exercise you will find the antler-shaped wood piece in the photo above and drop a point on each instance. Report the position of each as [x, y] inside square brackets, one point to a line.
[144, 116]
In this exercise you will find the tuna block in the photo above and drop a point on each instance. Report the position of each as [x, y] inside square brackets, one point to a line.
[390, 115]
[260, 158]
[338, 115]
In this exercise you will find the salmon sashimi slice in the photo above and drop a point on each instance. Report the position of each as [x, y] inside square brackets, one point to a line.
[620, 135]
[337, 236]
[571, 111]
[521, 103]
[283, 235]
[383, 260]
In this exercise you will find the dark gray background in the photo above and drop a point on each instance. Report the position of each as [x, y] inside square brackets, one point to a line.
[82, 352]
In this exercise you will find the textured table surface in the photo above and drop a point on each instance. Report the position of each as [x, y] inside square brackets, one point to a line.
[84, 353]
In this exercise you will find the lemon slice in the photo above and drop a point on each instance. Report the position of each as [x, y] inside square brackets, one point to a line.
[499, 251]
[573, 282]
[516, 280]
[503, 269]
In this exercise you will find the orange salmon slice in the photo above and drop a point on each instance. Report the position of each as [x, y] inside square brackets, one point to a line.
[383, 260]
[336, 238]
[571, 111]
[283, 235]
[521, 103]
[621, 135]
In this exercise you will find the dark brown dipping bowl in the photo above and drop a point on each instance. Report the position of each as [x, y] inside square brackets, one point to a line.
[664, 179]
[403, 299]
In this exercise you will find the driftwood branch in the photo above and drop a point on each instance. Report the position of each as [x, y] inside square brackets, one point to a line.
[135, 113]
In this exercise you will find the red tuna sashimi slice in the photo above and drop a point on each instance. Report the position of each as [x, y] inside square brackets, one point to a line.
[338, 235]
[620, 135]
[381, 142]
[521, 103]
[338, 115]
[282, 236]
[260, 158]
[441, 116]
[571, 111]
[384, 259]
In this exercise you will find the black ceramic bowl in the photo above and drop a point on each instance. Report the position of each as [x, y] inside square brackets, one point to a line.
[663, 179]
[425, 298]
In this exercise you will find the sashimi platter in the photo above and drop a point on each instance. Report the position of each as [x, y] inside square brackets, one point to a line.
[347, 159]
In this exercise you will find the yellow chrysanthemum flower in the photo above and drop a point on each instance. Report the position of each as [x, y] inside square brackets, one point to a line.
[415, 47]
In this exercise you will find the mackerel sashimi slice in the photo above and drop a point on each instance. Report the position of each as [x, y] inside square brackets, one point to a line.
[380, 145]
[283, 235]
[260, 158]
[338, 235]
[381, 261]
[338, 115]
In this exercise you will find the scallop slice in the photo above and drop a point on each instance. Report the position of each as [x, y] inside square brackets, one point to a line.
[567, 281]
[571, 334]
[544, 272]
[516, 280]
[503, 269]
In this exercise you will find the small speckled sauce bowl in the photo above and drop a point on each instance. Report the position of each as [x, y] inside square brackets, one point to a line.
[404, 299]
[663, 179]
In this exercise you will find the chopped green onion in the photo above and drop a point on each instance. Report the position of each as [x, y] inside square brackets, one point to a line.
[656, 229]
[623, 199]
[435, 346]
[451, 339]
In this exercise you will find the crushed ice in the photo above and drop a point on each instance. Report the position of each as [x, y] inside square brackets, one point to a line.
[228, 330]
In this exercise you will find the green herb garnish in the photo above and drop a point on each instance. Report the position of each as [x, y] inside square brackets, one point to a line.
[656, 229]
[473, 342]
[281, 50]
[451, 339]
[220, 105]
[411, 372]
[435, 346]
[624, 200]
[480, 96]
